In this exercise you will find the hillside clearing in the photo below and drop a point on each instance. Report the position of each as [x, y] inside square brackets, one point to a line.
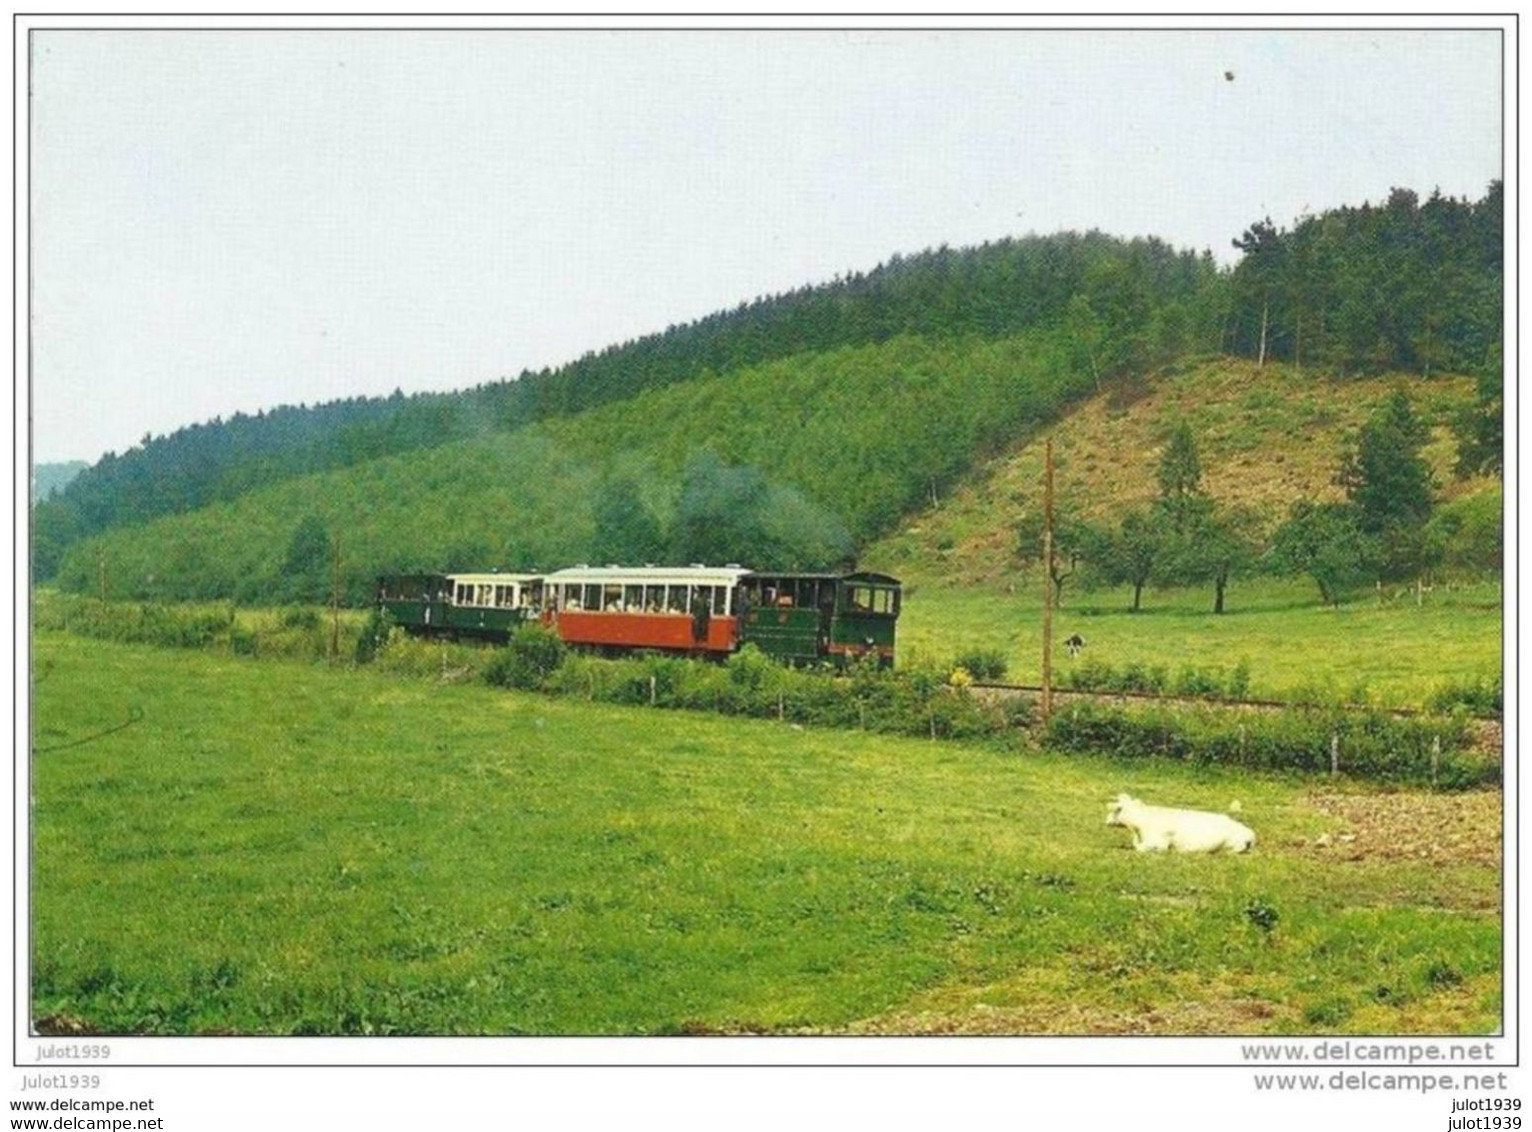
[1266, 436]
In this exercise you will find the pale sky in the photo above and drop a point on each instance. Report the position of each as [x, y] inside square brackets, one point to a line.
[231, 220]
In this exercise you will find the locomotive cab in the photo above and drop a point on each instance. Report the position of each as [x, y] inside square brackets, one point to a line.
[866, 610]
[803, 618]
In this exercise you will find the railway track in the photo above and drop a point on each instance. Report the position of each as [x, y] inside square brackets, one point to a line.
[1488, 731]
[1064, 694]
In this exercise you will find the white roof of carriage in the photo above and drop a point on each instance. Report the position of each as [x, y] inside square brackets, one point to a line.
[648, 575]
[494, 579]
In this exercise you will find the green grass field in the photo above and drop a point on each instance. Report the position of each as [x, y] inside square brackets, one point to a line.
[1395, 653]
[278, 847]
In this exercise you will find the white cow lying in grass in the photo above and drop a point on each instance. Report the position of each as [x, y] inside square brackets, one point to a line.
[1189, 831]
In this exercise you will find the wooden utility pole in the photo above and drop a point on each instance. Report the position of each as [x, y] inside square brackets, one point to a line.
[335, 601]
[1047, 579]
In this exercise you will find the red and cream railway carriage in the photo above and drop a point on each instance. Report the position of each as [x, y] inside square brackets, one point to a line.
[677, 608]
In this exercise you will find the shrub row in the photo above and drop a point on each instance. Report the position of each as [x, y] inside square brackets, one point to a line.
[296, 631]
[1482, 695]
[910, 701]
[1371, 745]
[983, 664]
[1156, 679]
[173, 626]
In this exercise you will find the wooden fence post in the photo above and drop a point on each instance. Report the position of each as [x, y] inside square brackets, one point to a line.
[1047, 705]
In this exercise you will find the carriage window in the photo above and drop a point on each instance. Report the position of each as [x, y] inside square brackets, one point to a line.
[611, 598]
[633, 598]
[461, 594]
[590, 597]
[486, 594]
[676, 599]
[654, 599]
[872, 599]
[720, 601]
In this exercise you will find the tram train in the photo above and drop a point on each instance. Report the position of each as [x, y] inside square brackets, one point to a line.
[798, 618]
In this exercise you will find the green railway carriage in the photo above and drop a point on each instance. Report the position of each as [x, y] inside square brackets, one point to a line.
[802, 618]
[461, 605]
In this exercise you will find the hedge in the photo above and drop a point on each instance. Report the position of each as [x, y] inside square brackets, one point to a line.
[1434, 750]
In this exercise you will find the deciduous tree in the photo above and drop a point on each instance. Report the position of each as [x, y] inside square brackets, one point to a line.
[1325, 541]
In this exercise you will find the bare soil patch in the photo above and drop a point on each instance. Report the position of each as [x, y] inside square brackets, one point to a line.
[1039, 1004]
[1450, 828]
[1204, 1018]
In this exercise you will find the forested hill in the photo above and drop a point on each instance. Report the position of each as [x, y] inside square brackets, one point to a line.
[48, 479]
[1147, 289]
[794, 464]
[1401, 286]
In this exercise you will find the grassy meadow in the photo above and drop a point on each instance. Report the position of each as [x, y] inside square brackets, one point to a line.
[1392, 653]
[278, 847]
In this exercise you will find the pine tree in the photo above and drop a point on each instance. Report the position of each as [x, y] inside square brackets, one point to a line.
[1389, 483]
[1180, 471]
